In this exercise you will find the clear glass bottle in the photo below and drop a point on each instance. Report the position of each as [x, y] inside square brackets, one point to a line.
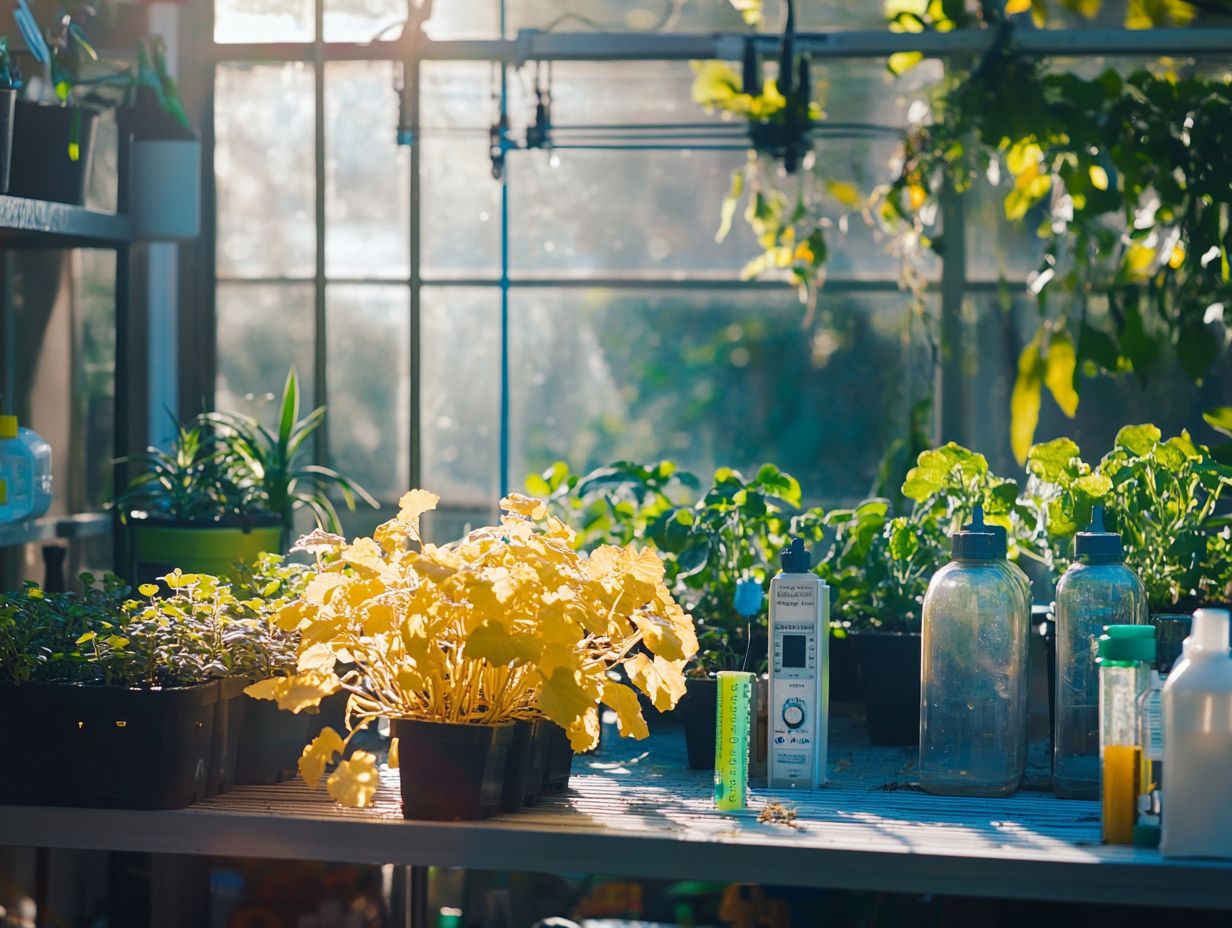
[1097, 590]
[1126, 653]
[973, 674]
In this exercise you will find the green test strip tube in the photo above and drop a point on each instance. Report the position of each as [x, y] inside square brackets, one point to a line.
[731, 741]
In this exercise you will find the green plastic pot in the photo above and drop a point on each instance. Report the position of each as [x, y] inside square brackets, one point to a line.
[157, 549]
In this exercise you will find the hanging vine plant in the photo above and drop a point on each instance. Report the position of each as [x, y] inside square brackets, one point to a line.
[1126, 180]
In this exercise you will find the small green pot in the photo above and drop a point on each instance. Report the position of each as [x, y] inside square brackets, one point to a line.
[157, 549]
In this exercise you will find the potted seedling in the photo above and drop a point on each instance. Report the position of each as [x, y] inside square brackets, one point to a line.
[454, 644]
[1163, 498]
[114, 702]
[227, 491]
[164, 183]
[54, 127]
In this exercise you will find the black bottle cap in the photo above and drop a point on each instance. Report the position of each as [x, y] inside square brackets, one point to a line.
[977, 541]
[1171, 630]
[795, 559]
[1097, 546]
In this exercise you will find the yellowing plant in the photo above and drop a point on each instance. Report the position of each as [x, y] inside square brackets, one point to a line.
[510, 622]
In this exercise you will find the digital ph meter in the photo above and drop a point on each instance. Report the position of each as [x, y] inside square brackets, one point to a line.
[799, 709]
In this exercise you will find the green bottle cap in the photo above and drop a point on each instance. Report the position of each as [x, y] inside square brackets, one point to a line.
[8, 426]
[1127, 643]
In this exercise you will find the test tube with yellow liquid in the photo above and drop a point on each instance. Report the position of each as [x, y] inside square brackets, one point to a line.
[731, 742]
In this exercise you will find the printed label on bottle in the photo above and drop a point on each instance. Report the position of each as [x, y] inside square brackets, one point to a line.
[1153, 710]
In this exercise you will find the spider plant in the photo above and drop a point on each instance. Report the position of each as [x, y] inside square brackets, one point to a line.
[276, 462]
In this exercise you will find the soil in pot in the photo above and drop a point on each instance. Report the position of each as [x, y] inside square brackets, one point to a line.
[42, 167]
[451, 772]
[890, 676]
[558, 759]
[108, 746]
[225, 736]
[271, 742]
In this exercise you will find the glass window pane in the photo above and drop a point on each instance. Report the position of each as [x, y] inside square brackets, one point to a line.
[714, 378]
[369, 370]
[263, 20]
[263, 329]
[460, 406]
[362, 20]
[459, 207]
[457, 95]
[367, 181]
[263, 166]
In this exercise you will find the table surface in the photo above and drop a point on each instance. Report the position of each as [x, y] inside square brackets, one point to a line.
[635, 810]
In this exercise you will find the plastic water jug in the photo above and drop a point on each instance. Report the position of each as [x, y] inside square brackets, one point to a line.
[25, 467]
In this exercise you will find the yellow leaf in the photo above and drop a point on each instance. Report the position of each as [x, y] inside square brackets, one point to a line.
[317, 656]
[1177, 258]
[562, 699]
[916, 196]
[1099, 177]
[523, 505]
[1025, 398]
[379, 618]
[495, 644]
[1013, 7]
[148, 589]
[318, 754]
[660, 635]
[298, 690]
[584, 733]
[320, 589]
[661, 680]
[846, 193]
[750, 10]
[1059, 373]
[902, 62]
[415, 503]
[393, 761]
[1138, 261]
[623, 701]
[354, 782]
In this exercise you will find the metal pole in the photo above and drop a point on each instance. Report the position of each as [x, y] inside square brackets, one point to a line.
[320, 346]
[503, 482]
[411, 79]
[950, 423]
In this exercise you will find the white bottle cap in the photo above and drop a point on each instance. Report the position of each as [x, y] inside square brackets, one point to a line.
[1209, 631]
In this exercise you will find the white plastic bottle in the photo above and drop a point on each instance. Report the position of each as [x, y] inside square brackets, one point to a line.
[1197, 706]
[25, 465]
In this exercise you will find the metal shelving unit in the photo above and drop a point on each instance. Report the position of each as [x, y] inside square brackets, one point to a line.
[40, 224]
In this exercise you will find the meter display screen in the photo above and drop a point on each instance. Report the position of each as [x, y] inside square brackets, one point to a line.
[793, 651]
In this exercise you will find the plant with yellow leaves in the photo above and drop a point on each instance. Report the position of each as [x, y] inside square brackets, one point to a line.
[510, 622]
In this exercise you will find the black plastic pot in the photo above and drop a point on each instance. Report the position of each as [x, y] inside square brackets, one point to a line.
[42, 166]
[225, 736]
[844, 671]
[558, 759]
[518, 763]
[8, 104]
[700, 710]
[107, 746]
[271, 742]
[540, 730]
[451, 772]
[890, 675]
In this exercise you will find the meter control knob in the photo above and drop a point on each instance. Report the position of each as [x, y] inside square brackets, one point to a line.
[793, 713]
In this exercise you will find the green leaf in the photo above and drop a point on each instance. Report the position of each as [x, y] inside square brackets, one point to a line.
[87, 637]
[1054, 461]
[1095, 485]
[1139, 440]
[728, 210]
[903, 543]
[902, 62]
[1220, 419]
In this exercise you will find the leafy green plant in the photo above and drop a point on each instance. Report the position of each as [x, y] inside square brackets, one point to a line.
[613, 504]
[274, 463]
[229, 468]
[710, 543]
[152, 84]
[1164, 499]
[197, 480]
[192, 629]
[10, 79]
[878, 566]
